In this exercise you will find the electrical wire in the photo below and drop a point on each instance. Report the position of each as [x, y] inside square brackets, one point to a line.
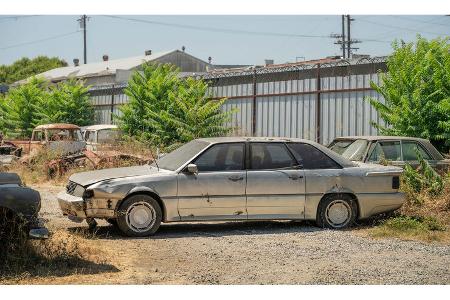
[40, 40]
[398, 27]
[231, 31]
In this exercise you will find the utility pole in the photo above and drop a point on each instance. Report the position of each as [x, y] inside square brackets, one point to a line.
[349, 41]
[349, 38]
[343, 36]
[83, 23]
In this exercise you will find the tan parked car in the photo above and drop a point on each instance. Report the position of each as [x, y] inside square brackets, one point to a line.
[398, 150]
[235, 179]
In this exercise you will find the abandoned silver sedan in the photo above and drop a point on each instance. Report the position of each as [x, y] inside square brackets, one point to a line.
[238, 178]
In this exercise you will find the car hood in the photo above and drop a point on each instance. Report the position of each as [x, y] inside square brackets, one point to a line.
[91, 177]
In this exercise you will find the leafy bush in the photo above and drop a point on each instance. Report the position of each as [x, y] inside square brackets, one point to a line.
[423, 179]
[68, 102]
[416, 90]
[166, 110]
[35, 102]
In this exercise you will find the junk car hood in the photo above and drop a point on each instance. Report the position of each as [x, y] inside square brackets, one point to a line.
[91, 177]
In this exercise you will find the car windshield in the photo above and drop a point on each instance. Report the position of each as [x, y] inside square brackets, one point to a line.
[108, 136]
[355, 150]
[72, 135]
[175, 159]
[339, 146]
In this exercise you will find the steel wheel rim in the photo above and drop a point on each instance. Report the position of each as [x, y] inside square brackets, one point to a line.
[338, 213]
[141, 216]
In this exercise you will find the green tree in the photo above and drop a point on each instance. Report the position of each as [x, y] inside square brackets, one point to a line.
[416, 89]
[21, 107]
[35, 103]
[165, 110]
[67, 102]
[25, 67]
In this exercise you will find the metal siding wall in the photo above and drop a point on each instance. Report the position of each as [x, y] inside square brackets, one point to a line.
[342, 113]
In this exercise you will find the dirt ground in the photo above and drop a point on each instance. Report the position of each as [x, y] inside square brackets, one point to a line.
[246, 253]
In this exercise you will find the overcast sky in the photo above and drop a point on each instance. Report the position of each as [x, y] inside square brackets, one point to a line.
[227, 39]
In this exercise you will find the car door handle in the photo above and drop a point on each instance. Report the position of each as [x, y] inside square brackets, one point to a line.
[295, 177]
[235, 178]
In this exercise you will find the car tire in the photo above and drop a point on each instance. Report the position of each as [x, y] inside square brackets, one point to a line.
[336, 211]
[139, 215]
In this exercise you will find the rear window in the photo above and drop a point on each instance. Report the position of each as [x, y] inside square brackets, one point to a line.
[312, 158]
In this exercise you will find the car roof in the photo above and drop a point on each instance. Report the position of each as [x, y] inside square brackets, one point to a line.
[379, 138]
[333, 155]
[57, 126]
[100, 127]
[424, 142]
[230, 139]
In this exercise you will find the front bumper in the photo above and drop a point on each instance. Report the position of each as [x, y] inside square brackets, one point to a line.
[72, 206]
[78, 209]
[37, 229]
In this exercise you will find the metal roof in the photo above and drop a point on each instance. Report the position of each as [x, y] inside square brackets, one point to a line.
[102, 68]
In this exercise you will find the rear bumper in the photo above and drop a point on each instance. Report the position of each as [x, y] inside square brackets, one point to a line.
[72, 206]
[372, 204]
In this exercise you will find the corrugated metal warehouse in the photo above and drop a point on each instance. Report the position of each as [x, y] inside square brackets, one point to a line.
[316, 100]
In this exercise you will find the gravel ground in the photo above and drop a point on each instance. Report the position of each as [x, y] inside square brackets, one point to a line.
[255, 253]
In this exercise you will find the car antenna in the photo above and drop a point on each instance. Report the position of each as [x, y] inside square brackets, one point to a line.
[155, 160]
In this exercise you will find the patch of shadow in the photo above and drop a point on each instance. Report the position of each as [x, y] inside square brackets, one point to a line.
[35, 265]
[204, 229]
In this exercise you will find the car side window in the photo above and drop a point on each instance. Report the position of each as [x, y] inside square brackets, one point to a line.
[38, 136]
[270, 156]
[222, 157]
[312, 158]
[89, 136]
[410, 148]
[389, 150]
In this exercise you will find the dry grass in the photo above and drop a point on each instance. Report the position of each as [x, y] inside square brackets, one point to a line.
[63, 254]
[36, 170]
[425, 220]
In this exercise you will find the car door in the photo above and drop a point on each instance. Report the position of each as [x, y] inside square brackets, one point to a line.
[389, 150]
[217, 191]
[320, 174]
[275, 184]
[409, 152]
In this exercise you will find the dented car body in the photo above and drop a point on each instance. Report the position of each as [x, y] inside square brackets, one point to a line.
[235, 179]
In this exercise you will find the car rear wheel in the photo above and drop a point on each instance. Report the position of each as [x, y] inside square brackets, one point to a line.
[139, 215]
[336, 211]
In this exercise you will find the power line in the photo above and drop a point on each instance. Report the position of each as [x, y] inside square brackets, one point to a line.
[39, 41]
[416, 29]
[423, 21]
[223, 30]
[399, 27]
[226, 30]
[15, 18]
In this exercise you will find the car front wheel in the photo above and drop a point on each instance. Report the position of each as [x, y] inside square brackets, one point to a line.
[139, 215]
[336, 211]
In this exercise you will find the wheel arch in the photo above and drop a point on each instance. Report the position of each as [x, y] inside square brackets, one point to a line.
[344, 192]
[144, 191]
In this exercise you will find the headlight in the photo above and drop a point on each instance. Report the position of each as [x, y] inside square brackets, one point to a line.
[88, 194]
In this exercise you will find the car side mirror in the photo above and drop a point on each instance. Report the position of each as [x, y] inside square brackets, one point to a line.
[192, 168]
